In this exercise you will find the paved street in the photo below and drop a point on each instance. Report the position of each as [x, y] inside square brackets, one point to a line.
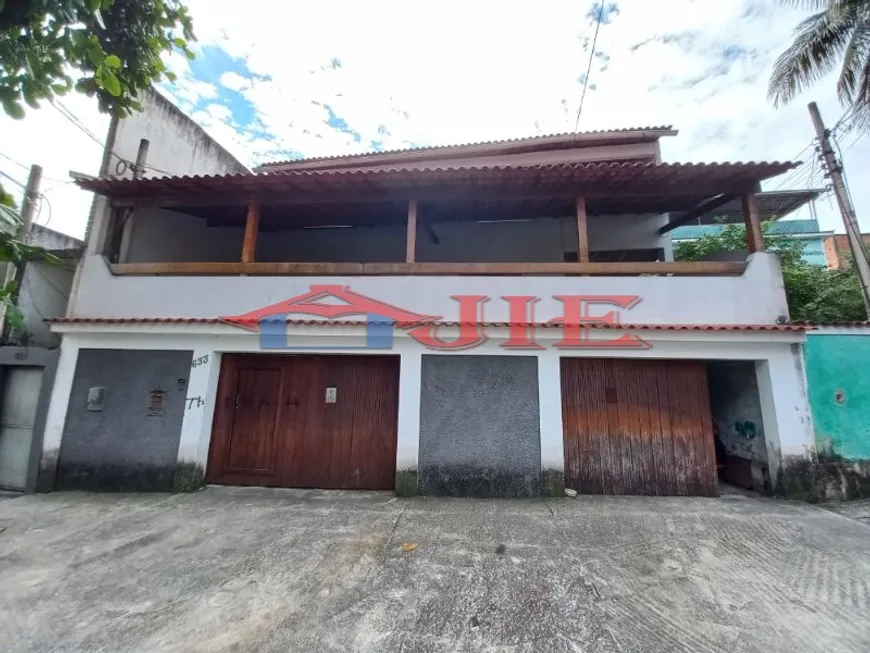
[233, 569]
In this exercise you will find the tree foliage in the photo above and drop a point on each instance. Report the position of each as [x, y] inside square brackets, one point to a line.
[815, 293]
[110, 49]
[837, 35]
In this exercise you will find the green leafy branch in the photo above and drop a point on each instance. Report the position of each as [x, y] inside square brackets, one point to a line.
[111, 49]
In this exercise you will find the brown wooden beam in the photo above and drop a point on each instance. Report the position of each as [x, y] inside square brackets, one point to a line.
[582, 232]
[754, 239]
[698, 211]
[411, 252]
[685, 268]
[252, 226]
[440, 194]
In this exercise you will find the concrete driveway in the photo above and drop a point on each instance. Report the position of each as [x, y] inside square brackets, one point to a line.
[233, 569]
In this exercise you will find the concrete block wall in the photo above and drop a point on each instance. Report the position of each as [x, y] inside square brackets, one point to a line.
[129, 444]
[479, 426]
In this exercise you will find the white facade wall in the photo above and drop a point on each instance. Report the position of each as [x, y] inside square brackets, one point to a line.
[786, 415]
[756, 297]
[178, 146]
[44, 293]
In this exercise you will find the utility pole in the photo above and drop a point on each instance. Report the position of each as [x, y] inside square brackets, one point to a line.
[141, 158]
[28, 207]
[834, 168]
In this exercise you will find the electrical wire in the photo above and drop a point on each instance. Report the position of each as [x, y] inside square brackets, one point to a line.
[61, 184]
[9, 158]
[13, 180]
[589, 67]
[847, 115]
[842, 168]
[69, 115]
[799, 171]
[42, 199]
[21, 165]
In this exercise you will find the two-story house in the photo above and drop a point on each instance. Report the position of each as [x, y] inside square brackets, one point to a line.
[489, 319]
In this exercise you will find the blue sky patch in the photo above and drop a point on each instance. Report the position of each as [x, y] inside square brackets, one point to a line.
[211, 63]
[337, 122]
[604, 13]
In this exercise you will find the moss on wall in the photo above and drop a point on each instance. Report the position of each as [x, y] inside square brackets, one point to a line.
[553, 483]
[406, 483]
[189, 477]
[823, 477]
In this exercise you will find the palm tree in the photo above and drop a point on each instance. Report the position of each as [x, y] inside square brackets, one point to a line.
[838, 34]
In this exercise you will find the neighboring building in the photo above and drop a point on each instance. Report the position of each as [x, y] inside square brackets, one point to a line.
[492, 319]
[28, 357]
[837, 251]
[772, 205]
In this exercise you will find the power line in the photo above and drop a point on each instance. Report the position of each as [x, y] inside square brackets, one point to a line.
[60, 185]
[589, 67]
[69, 115]
[797, 172]
[42, 199]
[13, 180]
[842, 168]
[19, 164]
[847, 115]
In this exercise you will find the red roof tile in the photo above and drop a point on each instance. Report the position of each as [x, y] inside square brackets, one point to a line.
[360, 323]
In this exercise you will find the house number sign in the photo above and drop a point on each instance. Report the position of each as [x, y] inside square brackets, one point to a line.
[331, 395]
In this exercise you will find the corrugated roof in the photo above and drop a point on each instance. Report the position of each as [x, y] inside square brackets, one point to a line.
[654, 132]
[326, 182]
[771, 205]
[362, 323]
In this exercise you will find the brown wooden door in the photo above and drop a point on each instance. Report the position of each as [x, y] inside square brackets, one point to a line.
[346, 443]
[248, 418]
[637, 427]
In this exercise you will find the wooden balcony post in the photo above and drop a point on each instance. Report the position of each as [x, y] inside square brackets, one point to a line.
[411, 253]
[582, 232]
[252, 225]
[754, 239]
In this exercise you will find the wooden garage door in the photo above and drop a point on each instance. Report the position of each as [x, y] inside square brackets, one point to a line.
[637, 427]
[276, 423]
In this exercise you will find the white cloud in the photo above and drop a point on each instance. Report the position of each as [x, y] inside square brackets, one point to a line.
[235, 82]
[468, 71]
[187, 90]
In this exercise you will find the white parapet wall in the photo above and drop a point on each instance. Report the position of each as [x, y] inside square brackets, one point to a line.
[755, 297]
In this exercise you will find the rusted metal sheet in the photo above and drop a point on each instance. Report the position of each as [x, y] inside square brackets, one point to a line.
[637, 427]
[306, 421]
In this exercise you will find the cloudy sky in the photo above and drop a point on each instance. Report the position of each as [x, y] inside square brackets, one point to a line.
[277, 80]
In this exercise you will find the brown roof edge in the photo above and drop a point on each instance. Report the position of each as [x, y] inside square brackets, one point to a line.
[263, 181]
[505, 146]
[362, 323]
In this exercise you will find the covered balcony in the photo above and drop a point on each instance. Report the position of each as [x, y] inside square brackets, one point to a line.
[204, 247]
[565, 219]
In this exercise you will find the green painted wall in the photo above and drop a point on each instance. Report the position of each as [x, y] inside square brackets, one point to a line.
[838, 381]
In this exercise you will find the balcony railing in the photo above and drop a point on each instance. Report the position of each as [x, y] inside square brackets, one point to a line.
[689, 268]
